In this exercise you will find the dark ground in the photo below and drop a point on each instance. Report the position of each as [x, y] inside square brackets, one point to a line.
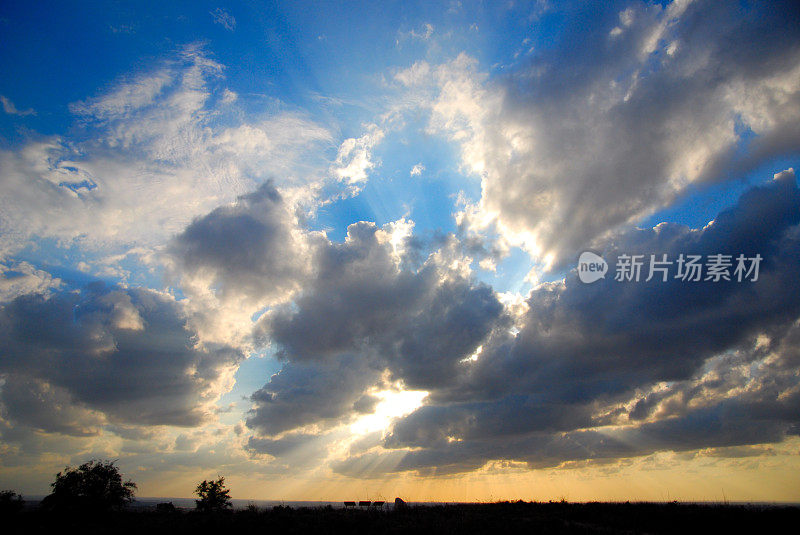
[495, 518]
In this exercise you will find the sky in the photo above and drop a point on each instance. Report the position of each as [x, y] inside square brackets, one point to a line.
[335, 250]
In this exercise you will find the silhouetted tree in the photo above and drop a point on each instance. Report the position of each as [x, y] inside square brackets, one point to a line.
[10, 502]
[165, 507]
[93, 485]
[213, 496]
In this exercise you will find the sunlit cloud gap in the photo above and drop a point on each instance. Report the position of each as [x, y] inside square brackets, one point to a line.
[392, 404]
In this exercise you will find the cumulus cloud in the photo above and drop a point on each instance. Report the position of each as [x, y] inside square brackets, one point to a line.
[251, 248]
[363, 312]
[567, 155]
[125, 355]
[623, 369]
[590, 372]
[420, 321]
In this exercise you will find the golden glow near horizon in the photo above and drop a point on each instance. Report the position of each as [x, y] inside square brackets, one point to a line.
[764, 474]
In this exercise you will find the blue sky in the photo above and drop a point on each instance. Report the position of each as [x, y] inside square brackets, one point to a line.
[333, 243]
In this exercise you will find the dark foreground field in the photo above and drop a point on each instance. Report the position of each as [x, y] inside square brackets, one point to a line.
[499, 518]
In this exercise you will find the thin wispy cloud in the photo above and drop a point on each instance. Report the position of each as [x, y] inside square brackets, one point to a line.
[223, 18]
[10, 109]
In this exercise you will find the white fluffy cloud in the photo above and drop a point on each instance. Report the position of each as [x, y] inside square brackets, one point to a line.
[354, 159]
[568, 154]
[159, 149]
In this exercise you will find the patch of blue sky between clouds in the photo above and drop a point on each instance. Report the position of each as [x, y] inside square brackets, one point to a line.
[701, 203]
[249, 377]
[394, 189]
[78, 266]
[510, 273]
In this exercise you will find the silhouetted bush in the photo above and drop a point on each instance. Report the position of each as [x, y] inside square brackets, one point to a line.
[10, 502]
[252, 508]
[165, 507]
[95, 485]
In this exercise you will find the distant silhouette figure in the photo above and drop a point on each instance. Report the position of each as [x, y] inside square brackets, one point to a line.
[400, 505]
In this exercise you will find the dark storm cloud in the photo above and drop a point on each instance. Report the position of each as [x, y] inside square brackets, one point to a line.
[365, 404]
[310, 393]
[362, 314]
[606, 337]
[754, 418]
[125, 353]
[419, 324]
[40, 405]
[357, 292]
[729, 422]
[585, 356]
[585, 348]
